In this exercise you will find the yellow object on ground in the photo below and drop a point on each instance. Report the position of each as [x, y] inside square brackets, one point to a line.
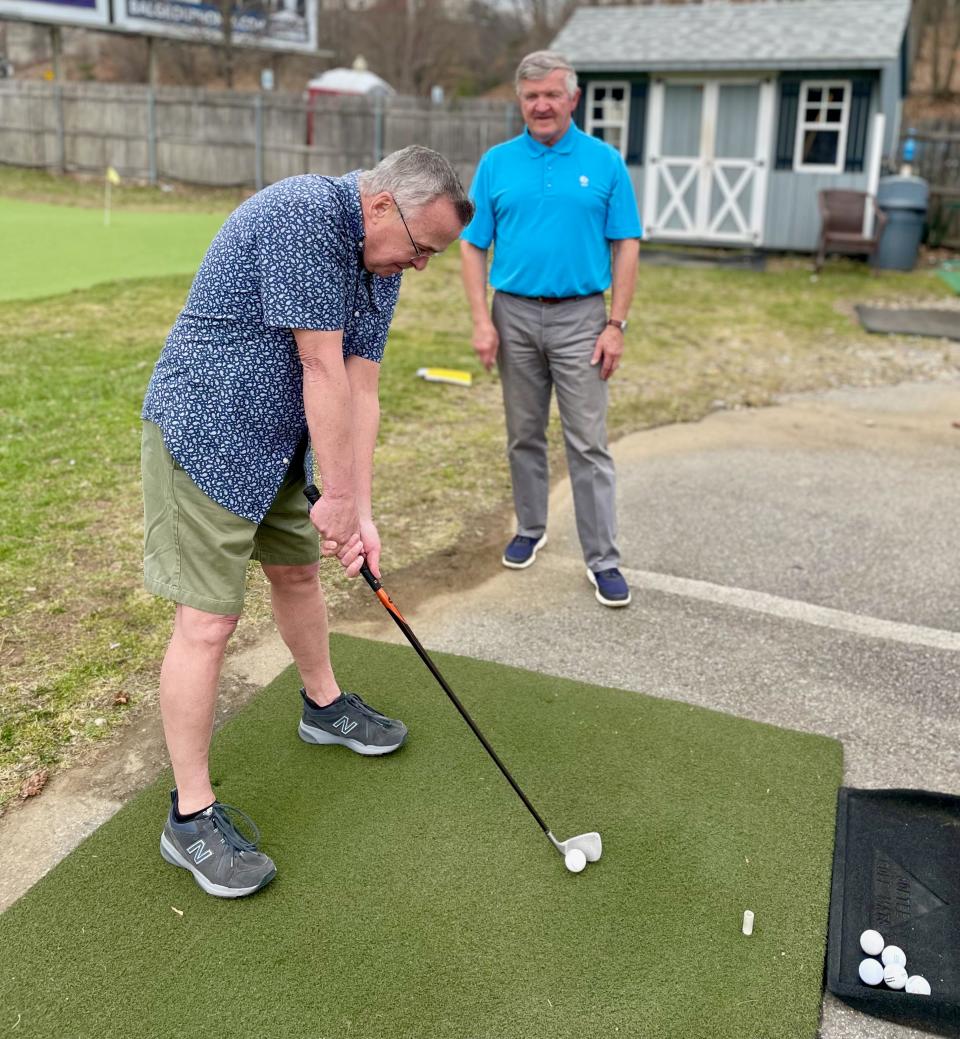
[450, 375]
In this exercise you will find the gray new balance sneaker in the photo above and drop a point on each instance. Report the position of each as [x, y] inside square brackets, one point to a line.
[352, 723]
[223, 862]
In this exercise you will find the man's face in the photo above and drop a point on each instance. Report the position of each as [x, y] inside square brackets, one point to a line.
[390, 247]
[546, 106]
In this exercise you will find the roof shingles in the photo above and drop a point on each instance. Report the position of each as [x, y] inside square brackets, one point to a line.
[718, 35]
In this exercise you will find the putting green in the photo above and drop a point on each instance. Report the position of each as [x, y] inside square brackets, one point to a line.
[415, 897]
[48, 250]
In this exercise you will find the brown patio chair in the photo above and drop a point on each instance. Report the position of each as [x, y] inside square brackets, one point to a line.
[841, 225]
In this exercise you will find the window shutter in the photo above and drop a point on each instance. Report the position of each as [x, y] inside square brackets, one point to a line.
[580, 112]
[859, 124]
[787, 124]
[636, 131]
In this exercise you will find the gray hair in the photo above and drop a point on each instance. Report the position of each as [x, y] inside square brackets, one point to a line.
[415, 176]
[540, 64]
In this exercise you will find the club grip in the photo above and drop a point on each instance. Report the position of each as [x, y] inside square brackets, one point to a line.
[312, 493]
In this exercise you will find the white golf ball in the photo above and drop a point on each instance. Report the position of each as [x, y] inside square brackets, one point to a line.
[894, 955]
[895, 976]
[575, 860]
[871, 973]
[918, 985]
[871, 942]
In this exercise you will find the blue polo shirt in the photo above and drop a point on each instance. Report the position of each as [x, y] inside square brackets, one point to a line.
[551, 213]
[227, 391]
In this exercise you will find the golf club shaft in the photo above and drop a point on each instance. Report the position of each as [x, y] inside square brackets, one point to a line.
[313, 496]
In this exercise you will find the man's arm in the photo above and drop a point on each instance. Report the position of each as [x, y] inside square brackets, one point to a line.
[328, 407]
[473, 265]
[364, 379]
[609, 348]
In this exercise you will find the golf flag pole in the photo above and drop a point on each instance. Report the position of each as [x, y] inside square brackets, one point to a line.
[110, 178]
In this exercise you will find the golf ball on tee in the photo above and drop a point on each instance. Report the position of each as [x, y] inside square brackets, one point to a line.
[871, 973]
[895, 976]
[918, 985]
[871, 942]
[575, 860]
[894, 955]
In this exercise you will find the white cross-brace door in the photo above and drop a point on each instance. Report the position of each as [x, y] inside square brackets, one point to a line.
[708, 160]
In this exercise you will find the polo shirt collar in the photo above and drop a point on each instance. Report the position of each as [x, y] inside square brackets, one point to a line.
[563, 147]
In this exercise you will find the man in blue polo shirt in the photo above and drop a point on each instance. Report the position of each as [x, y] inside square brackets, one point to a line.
[556, 205]
[275, 358]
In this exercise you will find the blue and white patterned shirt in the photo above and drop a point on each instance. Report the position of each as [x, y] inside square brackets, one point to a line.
[227, 391]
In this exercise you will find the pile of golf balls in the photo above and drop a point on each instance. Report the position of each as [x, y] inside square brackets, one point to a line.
[890, 968]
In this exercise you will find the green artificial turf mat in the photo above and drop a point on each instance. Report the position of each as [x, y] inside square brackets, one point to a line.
[49, 249]
[415, 897]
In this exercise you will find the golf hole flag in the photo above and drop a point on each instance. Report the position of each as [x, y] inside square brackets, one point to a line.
[110, 178]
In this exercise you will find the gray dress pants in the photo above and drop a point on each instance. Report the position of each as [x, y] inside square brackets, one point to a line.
[545, 346]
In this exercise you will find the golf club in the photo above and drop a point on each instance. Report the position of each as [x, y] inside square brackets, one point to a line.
[588, 845]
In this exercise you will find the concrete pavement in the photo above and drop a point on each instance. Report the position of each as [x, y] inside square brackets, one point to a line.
[797, 565]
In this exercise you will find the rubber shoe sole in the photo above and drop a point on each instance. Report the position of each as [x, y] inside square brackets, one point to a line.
[614, 603]
[533, 556]
[321, 738]
[170, 853]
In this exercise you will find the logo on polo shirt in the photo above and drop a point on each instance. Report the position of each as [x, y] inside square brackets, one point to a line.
[584, 181]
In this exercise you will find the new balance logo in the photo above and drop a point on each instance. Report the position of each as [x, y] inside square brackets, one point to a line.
[199, 851]
[345, 725]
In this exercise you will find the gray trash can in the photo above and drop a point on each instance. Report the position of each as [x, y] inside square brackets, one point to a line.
[904, 200]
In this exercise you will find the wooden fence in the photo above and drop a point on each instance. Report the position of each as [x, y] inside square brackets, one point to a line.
[937, 160]
[228, 138]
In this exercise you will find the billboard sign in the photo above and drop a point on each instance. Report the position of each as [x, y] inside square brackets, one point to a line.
[278, 24]
[91, 13]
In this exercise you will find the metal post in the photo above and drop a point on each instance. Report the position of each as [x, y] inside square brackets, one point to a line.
[153, 73]
[377, 129]
[258, 131]
[151, 135]
[61, 129]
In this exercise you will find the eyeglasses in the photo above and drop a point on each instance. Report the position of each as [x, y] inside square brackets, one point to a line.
[418, 253]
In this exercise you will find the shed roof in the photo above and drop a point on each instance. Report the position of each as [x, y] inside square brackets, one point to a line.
[350, 81]
[798, 34]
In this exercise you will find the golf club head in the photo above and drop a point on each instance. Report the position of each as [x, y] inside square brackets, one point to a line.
[589, 843]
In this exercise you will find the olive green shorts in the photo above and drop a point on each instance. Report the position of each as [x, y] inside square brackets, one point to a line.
[195, 552]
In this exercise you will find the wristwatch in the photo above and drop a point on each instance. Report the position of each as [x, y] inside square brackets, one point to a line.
[622, 325]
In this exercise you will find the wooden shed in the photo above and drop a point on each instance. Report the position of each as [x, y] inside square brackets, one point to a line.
[732, 116]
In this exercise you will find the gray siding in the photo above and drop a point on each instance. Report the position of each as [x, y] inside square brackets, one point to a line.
[792, 219]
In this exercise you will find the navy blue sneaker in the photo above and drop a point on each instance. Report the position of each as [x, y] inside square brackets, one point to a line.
[522, 551]
[612, 588]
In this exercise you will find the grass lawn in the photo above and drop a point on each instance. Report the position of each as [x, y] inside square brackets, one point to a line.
[61, 248]
[78, 636]
[415, 897]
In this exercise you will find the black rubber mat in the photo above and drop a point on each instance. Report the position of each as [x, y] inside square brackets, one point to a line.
[896, 870]
[942, 323]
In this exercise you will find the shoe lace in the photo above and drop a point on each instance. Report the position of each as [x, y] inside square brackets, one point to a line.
[612, 574]
[366, 710]
[222, 816]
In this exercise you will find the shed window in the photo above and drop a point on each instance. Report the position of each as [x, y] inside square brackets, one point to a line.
[608, 112]
[822, 122]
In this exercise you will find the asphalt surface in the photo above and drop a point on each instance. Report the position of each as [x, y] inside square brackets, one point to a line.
[797, 565]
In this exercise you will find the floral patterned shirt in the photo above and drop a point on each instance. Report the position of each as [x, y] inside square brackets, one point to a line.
[227, 391]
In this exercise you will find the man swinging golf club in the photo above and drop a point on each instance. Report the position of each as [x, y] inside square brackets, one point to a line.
[276, 356]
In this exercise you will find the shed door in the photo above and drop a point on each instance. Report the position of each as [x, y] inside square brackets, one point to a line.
[708, 160]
